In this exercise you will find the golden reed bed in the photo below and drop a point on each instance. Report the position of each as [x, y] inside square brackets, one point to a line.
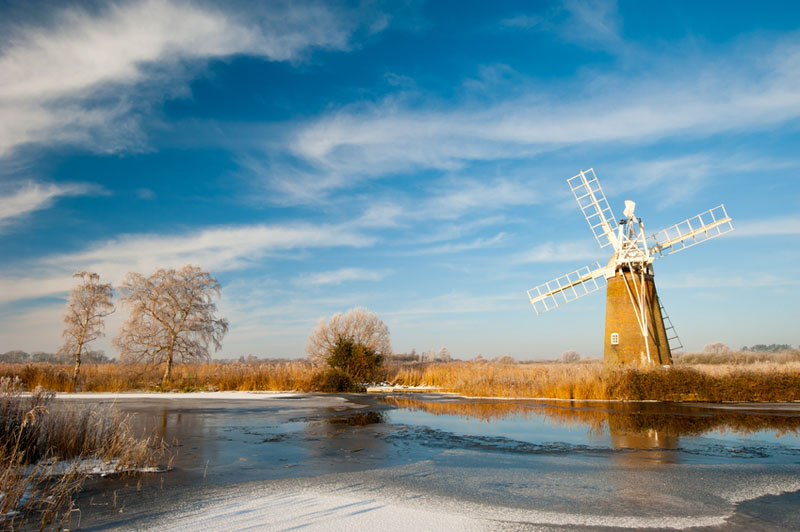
[587, 381]
[592, 381]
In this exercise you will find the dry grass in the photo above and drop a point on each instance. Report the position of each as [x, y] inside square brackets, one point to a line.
[740, 358]
[760, 381]
[764, 382]
[297, 375]
[43, 445]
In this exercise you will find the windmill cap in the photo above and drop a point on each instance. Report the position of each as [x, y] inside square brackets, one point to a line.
[629, 207]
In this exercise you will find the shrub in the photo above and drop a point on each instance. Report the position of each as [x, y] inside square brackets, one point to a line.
[357, 360]
[356, 342]
[334, 380]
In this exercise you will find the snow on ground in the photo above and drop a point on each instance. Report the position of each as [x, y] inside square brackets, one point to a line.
[95, 466]
[179, 395]
[362, 506]
[311, 512]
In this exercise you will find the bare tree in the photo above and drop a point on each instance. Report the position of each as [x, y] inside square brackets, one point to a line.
[570, 357]
[358, 336]
[717, 348]
[172, 317]
[89, 303]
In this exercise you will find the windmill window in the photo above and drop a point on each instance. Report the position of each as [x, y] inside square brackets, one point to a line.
[614, 338]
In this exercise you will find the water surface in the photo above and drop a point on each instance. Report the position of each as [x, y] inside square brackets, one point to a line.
[516, 465]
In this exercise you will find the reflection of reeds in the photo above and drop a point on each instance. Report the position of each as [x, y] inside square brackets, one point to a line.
[582, 381]
[618, 418]
[43, 449]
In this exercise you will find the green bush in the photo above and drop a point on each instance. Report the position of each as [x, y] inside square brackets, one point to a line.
[356, 360]
[334, 380]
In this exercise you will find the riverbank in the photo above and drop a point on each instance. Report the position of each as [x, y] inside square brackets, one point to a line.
[767, 382]
[47, 450]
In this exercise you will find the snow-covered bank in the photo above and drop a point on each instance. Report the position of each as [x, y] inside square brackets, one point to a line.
[180, 395]
[132, 401]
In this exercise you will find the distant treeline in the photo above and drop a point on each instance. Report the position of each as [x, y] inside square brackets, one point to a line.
[22, 357]
[720, 353]
[717, 353]
[739, 357]
[771, 348]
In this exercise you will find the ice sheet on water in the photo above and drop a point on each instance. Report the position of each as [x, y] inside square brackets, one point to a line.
[397, 499]
[448, 440]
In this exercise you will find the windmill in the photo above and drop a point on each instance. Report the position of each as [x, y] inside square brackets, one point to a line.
[638, 329]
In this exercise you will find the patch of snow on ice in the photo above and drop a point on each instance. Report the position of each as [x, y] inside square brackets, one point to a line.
[315, 513]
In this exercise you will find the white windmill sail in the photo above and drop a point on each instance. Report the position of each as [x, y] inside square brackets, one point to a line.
[566, 288]
[705, 226]
[594, 206]
[630, 266]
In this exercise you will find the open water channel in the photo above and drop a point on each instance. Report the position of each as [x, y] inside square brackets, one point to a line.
[440, 462]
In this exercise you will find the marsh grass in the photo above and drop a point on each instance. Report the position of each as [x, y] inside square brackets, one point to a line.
[739, 358]
[44, 449]
[757, 381]
[294, 375]
[596, 381]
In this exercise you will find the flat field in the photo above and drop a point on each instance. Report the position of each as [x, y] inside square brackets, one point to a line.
[764, 381]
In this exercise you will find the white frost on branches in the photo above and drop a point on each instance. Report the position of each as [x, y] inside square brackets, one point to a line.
[89, 303]
[358, 325]
[172, 317]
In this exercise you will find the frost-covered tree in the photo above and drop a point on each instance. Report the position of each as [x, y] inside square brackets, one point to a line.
[88, 305]
[172, 317]
[570, 357]
[356, 342]
[717, 348]
[444, 355]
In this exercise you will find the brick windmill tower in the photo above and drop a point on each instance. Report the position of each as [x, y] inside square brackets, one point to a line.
[638, 330]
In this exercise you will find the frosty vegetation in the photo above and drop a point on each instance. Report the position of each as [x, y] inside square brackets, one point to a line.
[356, 343]
[45, 448]
[172, 317]
[89, 304]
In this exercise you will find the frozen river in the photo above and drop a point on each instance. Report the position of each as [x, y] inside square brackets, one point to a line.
[438, 462]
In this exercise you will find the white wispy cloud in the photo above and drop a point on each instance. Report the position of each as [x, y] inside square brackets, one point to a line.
[459, 247]
[589, 23]
[716, 280]
[342, 275]
[758, 89]
[79, 77]
[776, 225]
[215, 249]
[674, 178]
[456, 302]
[561, 252]
[31, 196]
[449, 201]
[522, 21]
[592, 22]
[453, 198]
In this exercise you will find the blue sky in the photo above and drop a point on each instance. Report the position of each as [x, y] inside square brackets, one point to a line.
[407, 157]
